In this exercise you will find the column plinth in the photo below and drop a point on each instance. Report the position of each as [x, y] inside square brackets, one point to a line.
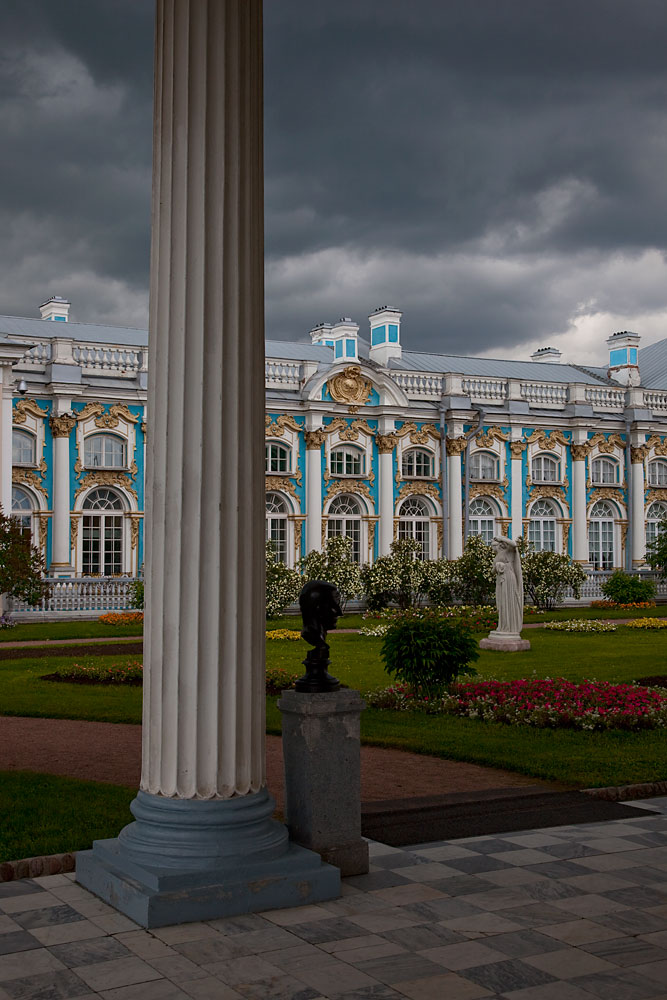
[203, 843]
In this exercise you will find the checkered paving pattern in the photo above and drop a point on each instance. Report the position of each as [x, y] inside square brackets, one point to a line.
[565, 913]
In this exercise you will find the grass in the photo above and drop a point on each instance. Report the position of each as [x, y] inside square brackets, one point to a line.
[43, 631]
[45, 814]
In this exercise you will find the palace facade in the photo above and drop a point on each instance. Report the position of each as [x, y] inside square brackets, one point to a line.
[364, 438]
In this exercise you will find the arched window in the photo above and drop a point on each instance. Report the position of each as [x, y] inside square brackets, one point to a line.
[276, 525]
[484, 465]
[22, 508]
[414, 522]
[604, 470]
[542, 527]
[104, 451]
[482, 520]
[417, 464]
[277, 457]
[657, 472]
[345, 520]
[102, 541]
[601, 535]
[347, 462]
[656, 515]
[546, 469]
[23, 448]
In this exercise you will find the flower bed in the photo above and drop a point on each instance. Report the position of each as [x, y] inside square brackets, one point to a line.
[277, 679]
[121, 617]
[283, 633]
[131, 672]
[647, 623]
[580, 625]
[544, 703]
[632, 605]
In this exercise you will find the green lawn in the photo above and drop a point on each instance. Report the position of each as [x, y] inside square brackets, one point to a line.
[43, 631]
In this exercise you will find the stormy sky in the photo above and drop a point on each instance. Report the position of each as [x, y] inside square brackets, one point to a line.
[494, 168]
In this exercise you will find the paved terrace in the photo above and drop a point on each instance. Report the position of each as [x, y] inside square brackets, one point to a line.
[563, 913]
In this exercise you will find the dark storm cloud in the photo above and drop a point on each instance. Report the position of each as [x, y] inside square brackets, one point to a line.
[476, 163]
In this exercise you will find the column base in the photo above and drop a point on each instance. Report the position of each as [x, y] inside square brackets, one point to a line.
[154, 874]
[64, 570]
[504, 642]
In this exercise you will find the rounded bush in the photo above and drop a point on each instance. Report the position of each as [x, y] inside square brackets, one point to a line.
[428, 652]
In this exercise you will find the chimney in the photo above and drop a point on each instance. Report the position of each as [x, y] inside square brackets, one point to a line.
[56, 308]
[623, 359]
[546, 354]
[385, 334]
[321, 335]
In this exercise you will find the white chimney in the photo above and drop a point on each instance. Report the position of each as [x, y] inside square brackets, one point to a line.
[385, 334]
[56, 308]
[623, 357]
[546, 354]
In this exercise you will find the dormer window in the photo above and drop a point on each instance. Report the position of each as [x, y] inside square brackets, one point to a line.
[23, 448]
[417, 464]
[104, 451]
[484, 466]
[277, 458]
[546, 469]
[346, 462]
[604, 471]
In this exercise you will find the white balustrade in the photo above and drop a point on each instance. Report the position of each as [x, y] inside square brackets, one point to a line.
[591, 589]
[108, 358]
[602, 398]
[285, 374]
[486, 388]
[419, 385]
[89, 593]
[549, 394]
[655, 400]
[37, 356]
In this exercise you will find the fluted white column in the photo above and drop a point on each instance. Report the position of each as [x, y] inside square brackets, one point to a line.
[314, 440]
[579, 532]
[638, 527]
[6, 438]
[61, 428]
[455, 496]
[386, 444]
[204, 640]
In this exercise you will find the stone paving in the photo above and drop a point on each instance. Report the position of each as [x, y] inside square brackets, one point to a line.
[563, 913]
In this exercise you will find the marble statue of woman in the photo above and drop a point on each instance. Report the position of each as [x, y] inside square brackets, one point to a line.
[509, 598]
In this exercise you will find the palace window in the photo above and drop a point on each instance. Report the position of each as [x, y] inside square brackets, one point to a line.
[657, 472]
[22, 508]
[346, 462]
[545, 469]
[484, 466]
[277, 458]
[482, 519]
[656, 516]
[542, 526]
[601, 535]
[417, 464]
[102, 541]
[23, 448]
[414, 522]
[104, 451]
[345, 520]
[276, 526]
[604, 471]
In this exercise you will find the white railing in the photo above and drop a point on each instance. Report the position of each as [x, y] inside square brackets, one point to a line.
[545, 394]
[655, 400]
[87, 593]
[591, 588]
[602, 398]
[108, 358]
[37, 356]
[283, 374]
[420, 386]
[486, 388]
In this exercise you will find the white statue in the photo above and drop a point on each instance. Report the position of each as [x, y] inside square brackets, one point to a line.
[509, 599]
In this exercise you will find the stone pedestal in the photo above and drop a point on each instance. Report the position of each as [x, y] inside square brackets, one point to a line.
[504, 642]
[321, 749]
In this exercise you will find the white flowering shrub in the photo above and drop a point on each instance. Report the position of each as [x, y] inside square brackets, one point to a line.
[283, 584]
[656, 551]
[440, 581]
[547, 575]
[400, 578]
[474, 578]
[335, 565]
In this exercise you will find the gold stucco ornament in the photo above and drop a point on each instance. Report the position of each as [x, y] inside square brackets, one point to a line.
[350, 386]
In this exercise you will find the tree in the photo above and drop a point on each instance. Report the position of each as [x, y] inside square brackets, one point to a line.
[547, 575]
[282, 584]
[656, 551]
[400, 577]
[335, 565]
[474, 576]
[21, 564]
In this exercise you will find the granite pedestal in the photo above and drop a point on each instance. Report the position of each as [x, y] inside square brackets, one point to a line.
[504, 642]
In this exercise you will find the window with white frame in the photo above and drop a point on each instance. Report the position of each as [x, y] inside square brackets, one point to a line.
[417, 464]
[601, 535]
[414, 522]
[656, 516]
[22, 508]
[545, 469]
[346, 462]
[276, 525]
[345, 520]
[24, 448]
[484, 466]
[482, 519]
[102, 534]
[104, 451]
[542, 526]
[604, 471]
[657, 472]
[277, 457]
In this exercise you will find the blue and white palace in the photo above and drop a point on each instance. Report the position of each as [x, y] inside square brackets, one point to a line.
[364, 438]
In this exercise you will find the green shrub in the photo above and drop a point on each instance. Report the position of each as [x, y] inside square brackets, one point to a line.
[137, 591]
[474, 577]
[335, 565]
[399, 578]
[428, 652]
[547, 575]
[622, 588]
[440, 581]
[282, 584]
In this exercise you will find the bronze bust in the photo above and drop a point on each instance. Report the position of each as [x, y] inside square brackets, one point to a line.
[320, 608]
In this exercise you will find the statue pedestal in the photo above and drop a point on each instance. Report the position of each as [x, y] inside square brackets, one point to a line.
[504, 642]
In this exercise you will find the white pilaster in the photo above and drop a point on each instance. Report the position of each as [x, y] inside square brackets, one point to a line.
[516, 473]
[579, 532]
[455, 503]
[6, 441]
[314, 438]
[638, 529]
[386, 445]
[61, 428]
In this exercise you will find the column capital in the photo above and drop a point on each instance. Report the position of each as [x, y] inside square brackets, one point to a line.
[638, 454]
[456, 446]
[314, 439]
[579, 452]
[386, 443]
[62, 426]
[517, 448]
